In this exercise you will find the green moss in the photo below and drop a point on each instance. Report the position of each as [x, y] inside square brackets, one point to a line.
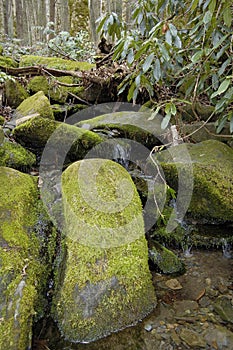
[132, 125]
[8, 62]
[52, 89]
[55, 62]
[37, 131]
[2, 120]
[38, 103]
[165, 260]
[15, 93]
[15, 156]
[105, 283]
[20, 269]
[212, 177]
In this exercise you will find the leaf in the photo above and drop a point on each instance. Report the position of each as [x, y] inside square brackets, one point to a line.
[147, 64]
[157, 70]
[221, 124]
[131, 91]
[222, 88]
[227, 16]
[130, 57]
[155, 113]
[231, 123]
[165, 121]
[138, 80]
[197, 56]
[168, 37]
[212, 6]
[173, 29]
[207, 17]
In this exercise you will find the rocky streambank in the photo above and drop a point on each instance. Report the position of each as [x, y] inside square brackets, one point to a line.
[73, 246]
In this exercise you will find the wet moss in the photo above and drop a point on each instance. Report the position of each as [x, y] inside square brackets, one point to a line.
[106, 257]
[20, 269]
[55, 62]
[38, 103]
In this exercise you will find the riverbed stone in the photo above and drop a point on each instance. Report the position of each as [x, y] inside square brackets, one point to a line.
[104, 283]
[20, 268]
[223, 306]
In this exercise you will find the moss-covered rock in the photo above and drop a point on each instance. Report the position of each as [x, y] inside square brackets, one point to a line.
[38, 103]
[35, 133]
[212, 165]
[54, 91]
[15, 93]
[104, 283]
[15, 156]
[165, 260]
[131, 125]
[20, 268]
[54, 62]
[8, 62]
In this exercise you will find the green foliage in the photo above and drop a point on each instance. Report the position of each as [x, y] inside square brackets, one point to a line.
[183, 46]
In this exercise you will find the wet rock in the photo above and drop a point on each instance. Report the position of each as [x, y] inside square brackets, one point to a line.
[104, 281]
[131, 125]
[219, 337]
[192, 338]
[173, 284]
[165, 260]
[223, 306]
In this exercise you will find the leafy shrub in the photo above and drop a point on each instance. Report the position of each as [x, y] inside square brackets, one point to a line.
[185, 46]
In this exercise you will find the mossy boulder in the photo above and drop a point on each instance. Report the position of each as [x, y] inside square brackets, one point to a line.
[7, 62]
[54, 62]
[132, 125]
[103, 283]
[20, 268]
[212, 167]
[36, 132]
[55, 92]
[37, 103]
[15, 93]
[15, 156]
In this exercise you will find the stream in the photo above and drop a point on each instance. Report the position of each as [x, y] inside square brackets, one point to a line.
[189, 315]
[194, 310]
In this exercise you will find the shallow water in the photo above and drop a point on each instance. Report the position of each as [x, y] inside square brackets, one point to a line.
[209, 276]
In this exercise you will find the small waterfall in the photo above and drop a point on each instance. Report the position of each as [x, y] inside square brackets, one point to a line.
[121, 154]
[186, 243]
